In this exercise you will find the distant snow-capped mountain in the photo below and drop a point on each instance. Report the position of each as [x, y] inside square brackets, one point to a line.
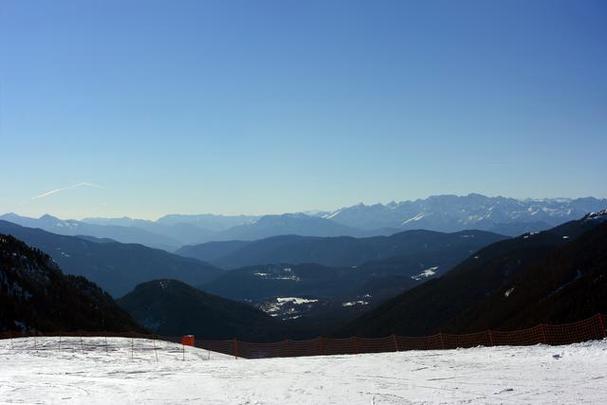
[71, 227]
[449, 213]
[443, 213]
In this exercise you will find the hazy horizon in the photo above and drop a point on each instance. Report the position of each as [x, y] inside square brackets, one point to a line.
[306, 211]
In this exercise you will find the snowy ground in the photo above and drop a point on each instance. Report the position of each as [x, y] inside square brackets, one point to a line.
[90, 372]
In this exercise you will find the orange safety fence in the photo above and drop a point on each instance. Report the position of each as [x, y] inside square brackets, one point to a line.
[587, 329]
[560, 334]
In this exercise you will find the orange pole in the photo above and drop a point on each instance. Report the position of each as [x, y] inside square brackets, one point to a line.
[235, 347]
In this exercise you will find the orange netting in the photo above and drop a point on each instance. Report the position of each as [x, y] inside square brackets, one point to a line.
[587, 329]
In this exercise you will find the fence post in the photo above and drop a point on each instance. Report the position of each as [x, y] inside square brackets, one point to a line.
[602, 324]
[395, 340]
[322, 346]
[442, 341]
[490, 333]
[543, 329]
[354, 342]
[235, 347]
[155, 351]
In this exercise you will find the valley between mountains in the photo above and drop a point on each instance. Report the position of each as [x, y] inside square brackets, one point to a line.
[412, 282]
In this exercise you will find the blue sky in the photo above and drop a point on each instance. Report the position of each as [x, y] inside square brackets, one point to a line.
[143, 108]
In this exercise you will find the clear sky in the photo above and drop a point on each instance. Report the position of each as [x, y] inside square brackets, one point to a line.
[142, 108]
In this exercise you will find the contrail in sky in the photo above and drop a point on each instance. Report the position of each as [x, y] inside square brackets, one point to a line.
[58, 190]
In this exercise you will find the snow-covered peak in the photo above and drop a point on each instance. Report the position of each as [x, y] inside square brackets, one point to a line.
[473, 211]
[601, 214]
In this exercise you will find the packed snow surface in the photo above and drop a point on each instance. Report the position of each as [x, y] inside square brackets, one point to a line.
[90, 372]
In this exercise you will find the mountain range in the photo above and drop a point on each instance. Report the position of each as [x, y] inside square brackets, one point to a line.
[340, 251]
[341, 276]
[449, 213]
[119, 233]
[444, 213]
[116, 267]
[411, 283]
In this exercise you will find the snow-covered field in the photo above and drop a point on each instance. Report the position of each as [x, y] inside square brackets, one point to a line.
[89, 371]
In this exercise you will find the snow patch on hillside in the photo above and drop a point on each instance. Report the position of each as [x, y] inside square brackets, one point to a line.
[414, 219]
[295, 300]
[354, 303]
[429, 272]
[287, 307]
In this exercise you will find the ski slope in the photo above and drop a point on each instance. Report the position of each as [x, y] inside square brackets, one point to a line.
[89, 371]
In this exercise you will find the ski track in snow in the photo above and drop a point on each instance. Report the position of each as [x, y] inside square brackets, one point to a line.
[84, 371]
